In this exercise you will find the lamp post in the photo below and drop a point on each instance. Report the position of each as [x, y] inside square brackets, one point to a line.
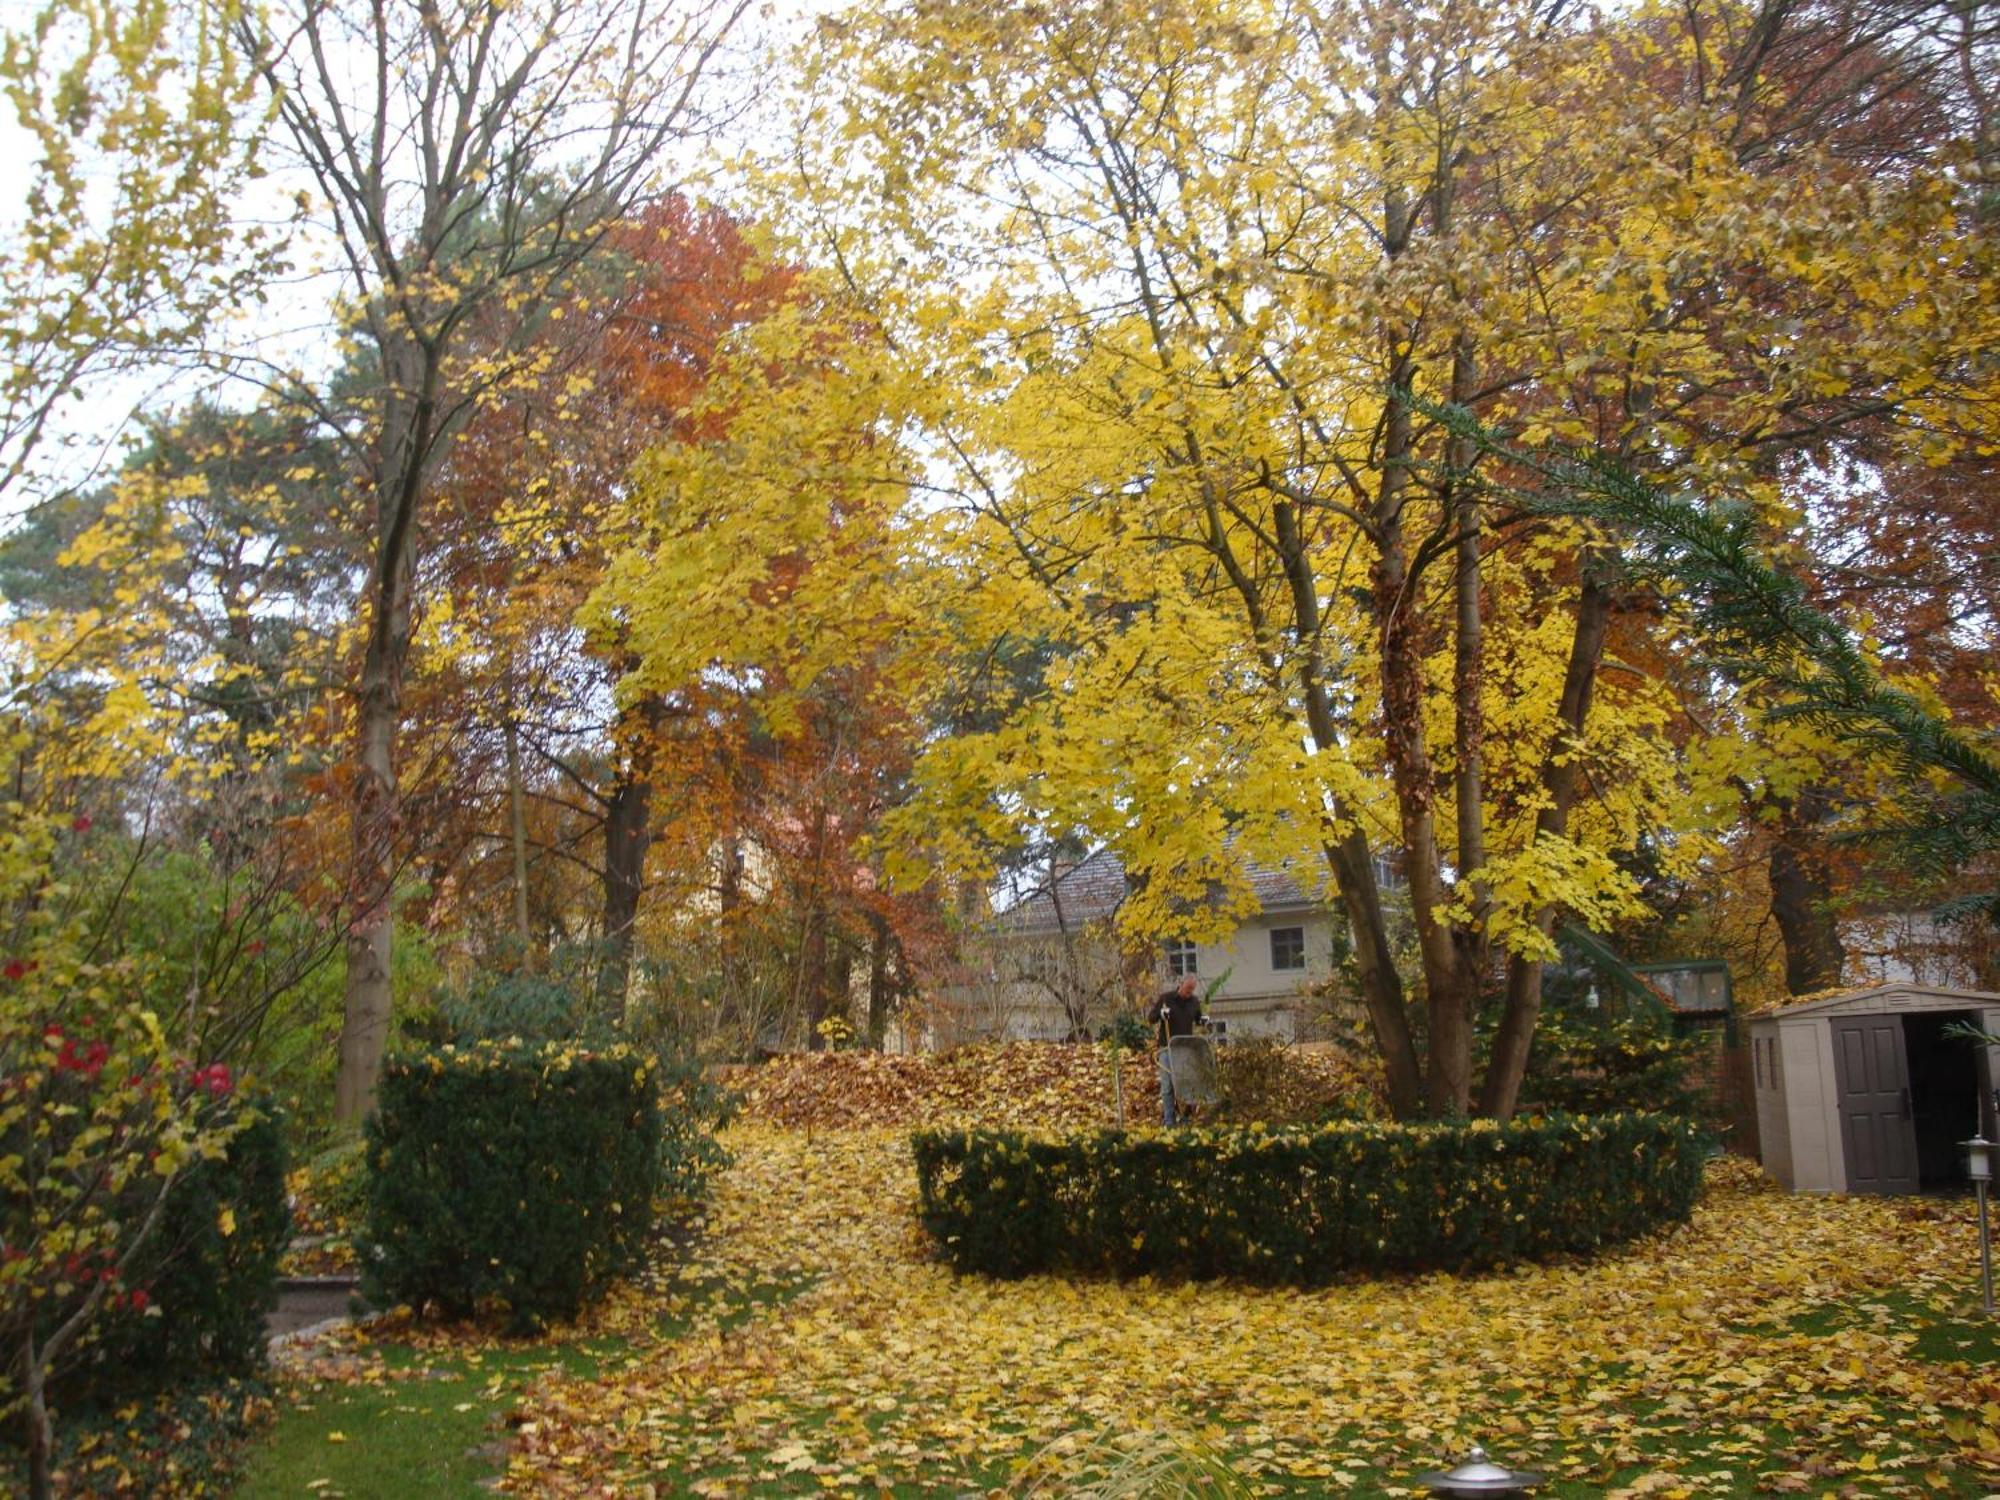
[1479, 1475]
[1979, 1167]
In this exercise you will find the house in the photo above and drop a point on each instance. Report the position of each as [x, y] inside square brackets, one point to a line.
[1871, 1090]
[1049, 966]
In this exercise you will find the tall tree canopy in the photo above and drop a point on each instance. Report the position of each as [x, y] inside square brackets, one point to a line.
[1159, 271]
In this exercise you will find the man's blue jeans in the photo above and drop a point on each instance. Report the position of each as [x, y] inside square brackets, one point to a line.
[1169, 1113]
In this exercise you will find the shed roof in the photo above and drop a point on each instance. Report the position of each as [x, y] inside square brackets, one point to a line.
[1091, 890]
[1864, 999]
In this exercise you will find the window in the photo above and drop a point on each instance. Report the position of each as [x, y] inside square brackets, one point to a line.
[1180, 959]
[1288, 947]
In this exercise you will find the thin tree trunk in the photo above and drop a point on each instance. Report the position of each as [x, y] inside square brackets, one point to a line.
[409, 431]
[1349, 858]
[41, 1431]
[518, 822]
[1802, 897]
[1450, 988]
[628, 834]
[1468, 647]
[365, 1023]
[1561, 775]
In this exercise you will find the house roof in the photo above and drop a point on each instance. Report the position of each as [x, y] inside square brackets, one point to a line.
[1091, 890]
[1901, 995]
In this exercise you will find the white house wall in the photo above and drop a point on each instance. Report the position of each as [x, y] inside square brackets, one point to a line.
[1255, 999]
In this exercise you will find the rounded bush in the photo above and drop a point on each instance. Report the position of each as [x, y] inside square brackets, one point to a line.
[510, 1172]
[1302, 1206]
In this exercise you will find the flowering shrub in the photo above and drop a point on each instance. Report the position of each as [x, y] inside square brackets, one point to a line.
[98, 1121]
[516, 1173]
[1302, 1206]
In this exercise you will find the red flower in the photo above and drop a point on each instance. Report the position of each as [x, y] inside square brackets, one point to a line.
[89, 1062]
[15, 969]
[80, 823]
[138, 1299]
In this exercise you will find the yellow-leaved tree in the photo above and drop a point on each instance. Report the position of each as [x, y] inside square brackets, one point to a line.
[1161, 274]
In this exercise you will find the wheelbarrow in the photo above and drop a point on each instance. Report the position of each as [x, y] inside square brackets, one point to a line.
[1191, 1063]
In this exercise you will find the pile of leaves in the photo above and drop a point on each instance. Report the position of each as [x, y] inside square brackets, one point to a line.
[1041, 1085]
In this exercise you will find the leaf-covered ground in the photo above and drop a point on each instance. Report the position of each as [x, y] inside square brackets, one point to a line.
[1778, 1344]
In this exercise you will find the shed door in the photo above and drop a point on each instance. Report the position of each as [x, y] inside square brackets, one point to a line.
[1877, 1135]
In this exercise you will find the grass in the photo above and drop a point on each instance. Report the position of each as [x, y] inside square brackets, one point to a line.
[417, 1424]
[430, 1417]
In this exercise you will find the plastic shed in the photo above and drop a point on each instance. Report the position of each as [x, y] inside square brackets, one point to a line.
[1871, 1090]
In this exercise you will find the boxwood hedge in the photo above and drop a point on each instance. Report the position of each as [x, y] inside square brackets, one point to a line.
[518, 1173]
[1302, 1206]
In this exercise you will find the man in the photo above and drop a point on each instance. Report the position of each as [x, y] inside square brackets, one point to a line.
[1173, 1014]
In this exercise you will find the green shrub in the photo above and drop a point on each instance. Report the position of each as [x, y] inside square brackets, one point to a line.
[560, 1004]
[1302, 1206]
[1591, 1065]
[517, 1173]
[693, 1106]
[204, 1280]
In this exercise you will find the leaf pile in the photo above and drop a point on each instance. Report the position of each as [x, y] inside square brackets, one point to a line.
[1775, 1344]
[1047, 1085]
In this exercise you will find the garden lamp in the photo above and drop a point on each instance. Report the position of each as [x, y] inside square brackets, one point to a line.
[1979, 1167]
[1479, 1475]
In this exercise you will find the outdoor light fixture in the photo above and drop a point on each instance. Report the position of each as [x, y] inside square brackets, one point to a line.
[1479, 1475]
[1979, 1167]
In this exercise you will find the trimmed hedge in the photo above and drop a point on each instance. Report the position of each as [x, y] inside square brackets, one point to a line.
[1302, 1206]
[518, 1173]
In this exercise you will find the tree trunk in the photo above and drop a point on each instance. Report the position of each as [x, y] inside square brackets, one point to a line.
[1349, 858]
[1561, 774]
[518, 825]
[408, 432]
[1468, 649]
[1450, 986]
[1802, 897]
[881, 978]
[627, 834]
[41, 1431]
[370, 936]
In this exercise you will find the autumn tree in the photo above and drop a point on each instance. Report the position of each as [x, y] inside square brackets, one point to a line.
[768, 597]
[1206, 248]
[471, 159]
[527, 513]
[142, 135]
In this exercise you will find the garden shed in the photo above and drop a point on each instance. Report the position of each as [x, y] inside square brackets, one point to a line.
[1871, 1090]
